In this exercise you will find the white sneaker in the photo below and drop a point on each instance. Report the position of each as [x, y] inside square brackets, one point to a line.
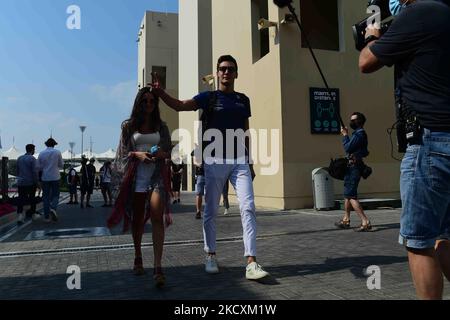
[254, 272]
[36, 216]
[211, 264]
[53, 215]
[20, 218]
[225, 212]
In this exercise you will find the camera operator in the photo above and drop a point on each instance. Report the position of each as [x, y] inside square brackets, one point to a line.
[417, 43]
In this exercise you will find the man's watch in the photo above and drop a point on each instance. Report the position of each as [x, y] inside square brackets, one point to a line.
[370, 39]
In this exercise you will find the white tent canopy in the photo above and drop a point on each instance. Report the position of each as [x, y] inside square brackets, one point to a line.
[12, 153]
[87, 154]
[67, 155]
[107, 155]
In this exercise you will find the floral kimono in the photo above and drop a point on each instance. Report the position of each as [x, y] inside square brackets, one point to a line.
[123, 178]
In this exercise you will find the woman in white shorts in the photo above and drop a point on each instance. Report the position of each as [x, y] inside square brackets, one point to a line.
[146, 138]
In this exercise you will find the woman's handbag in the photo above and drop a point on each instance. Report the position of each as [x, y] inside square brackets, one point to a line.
[366, 171]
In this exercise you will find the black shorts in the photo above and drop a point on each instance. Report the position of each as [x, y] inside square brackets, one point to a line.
[105, 186]
[85, 188]
[176, 183]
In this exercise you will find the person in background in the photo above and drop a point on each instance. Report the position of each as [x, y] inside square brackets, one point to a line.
[177, 172]
[199, 189]
[105, 183]
[87, 182]
[73, 181]
[356, 149]
[27, 174]
[50, 162]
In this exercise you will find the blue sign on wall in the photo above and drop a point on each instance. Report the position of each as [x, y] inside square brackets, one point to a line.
[324, 111]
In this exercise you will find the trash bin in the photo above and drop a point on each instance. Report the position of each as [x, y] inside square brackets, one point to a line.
[323, 192]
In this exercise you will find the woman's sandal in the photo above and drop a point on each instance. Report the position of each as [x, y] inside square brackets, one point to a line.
[159, 277]
[138, 268]
[343, 224]
[364, 227]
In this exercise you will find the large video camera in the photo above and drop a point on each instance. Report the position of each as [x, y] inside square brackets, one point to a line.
[359, 29]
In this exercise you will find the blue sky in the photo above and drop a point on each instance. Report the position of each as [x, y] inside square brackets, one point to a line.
[53, 79]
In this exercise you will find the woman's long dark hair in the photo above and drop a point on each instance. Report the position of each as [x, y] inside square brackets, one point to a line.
[137, 117]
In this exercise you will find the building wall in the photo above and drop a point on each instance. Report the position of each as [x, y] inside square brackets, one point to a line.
[370, 94]
[195, 62]
[158, 46]
[278, 86]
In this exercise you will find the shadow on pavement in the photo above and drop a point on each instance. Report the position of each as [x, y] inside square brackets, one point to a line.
[356, 265]
[187, 283]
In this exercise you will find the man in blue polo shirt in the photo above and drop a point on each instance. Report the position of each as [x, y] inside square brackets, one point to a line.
[225, 112]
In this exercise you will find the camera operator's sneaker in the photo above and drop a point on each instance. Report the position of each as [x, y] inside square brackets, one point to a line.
[254, 271]
[53, 215]
[211, 264]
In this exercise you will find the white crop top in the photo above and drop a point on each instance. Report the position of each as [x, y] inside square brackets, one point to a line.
[144, 142]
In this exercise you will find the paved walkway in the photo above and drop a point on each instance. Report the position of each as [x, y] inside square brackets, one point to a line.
[307, 258]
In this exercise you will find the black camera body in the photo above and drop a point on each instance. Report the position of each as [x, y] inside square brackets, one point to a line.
[359, 29]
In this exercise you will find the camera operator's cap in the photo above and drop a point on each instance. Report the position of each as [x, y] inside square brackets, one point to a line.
[51, 142]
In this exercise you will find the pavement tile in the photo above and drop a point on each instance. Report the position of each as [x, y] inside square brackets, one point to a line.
[307, 258]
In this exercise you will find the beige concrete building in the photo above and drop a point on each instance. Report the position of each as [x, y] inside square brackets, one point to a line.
[158, 52]
[277, 72]
[196, 60]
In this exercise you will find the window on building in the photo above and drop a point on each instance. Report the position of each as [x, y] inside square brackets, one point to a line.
[320, 19]
[260, 38]
[161, 72]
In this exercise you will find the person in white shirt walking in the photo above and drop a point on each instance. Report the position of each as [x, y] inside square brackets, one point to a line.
[50, 162]
[105, 183]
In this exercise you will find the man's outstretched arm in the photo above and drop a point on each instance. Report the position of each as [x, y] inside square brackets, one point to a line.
[175, 104]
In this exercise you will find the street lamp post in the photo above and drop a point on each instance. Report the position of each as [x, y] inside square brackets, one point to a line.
[71, 144]
[82, 128]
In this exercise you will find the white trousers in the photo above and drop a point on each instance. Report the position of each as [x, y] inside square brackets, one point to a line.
[240, 178]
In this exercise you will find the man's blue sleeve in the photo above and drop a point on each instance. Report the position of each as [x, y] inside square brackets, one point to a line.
[202, 100]
[35, 170]
[352, 145]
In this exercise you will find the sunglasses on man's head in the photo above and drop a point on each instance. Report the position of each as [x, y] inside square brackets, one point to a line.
[230, 69]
